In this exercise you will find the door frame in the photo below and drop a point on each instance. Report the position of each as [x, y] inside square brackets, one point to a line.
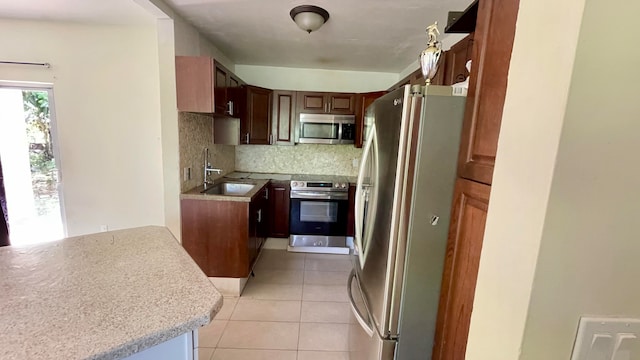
[48, 87]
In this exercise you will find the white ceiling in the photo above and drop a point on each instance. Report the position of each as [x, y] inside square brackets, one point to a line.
[83, 11]
[366, 35]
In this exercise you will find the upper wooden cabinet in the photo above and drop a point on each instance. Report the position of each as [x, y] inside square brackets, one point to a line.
[456, 59]
[362, 103]
[326, 103]
[283, 118]
[204, 85]
[255, 115]
[492, 45]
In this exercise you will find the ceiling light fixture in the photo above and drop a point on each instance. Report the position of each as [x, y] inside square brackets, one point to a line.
[308, 17]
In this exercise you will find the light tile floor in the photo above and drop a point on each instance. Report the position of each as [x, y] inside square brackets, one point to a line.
[295, 308]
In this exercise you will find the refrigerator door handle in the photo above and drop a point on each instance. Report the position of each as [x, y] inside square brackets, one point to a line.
[366, 326]
[359, 216]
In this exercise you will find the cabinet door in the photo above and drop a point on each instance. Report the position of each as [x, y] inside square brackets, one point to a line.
[279, 209]
[263, 217]
[215, 234]
[464, 244]
[341, 103]
[363, 101]
[221, 82]
[456, 60]
[492, 44]
[194, 84]
[283, 117]
[257, 122]
[260, 222]
[252, 241]
[312, 102]
[234, 96]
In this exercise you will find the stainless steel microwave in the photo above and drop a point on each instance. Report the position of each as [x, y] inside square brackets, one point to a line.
[326, 129]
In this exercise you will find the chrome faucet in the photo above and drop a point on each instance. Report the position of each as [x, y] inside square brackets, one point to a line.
[208, 168]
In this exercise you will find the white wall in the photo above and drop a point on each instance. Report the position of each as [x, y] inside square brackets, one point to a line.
[588, 262]
[315, 79]
[106, 85]
[539, 78]
[169, 124]
[189, 42]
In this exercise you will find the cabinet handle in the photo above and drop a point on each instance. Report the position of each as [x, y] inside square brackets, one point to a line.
[246, 138]
[260, 215]
[270, 139]
[230, 107]
[266, 194]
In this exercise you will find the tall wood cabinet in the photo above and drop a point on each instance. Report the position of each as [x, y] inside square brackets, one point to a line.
[456, 60]
[491, 54]
[493, 41]
[464, 244]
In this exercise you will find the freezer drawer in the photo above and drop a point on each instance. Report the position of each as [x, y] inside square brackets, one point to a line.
[364, 341]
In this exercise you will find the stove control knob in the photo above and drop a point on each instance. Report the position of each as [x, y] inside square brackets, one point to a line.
[343, 185]
[294, 183]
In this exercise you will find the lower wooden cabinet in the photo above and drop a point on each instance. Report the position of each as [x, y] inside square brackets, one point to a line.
[225, 237]
[466, 231]
[279, 209]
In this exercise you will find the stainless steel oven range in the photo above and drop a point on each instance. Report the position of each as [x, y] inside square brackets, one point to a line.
[318, 217]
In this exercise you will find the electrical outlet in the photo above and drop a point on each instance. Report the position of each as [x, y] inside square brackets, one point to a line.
[186, 174]
[355, 162]
[104, 228]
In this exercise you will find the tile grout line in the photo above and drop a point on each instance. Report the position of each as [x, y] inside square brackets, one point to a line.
[300, 318]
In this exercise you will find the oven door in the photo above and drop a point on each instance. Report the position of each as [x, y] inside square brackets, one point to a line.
[316, 216]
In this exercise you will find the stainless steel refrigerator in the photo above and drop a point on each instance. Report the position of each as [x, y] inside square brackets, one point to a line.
[403, 204]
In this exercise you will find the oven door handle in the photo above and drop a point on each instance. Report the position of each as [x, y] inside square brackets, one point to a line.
[318, 195]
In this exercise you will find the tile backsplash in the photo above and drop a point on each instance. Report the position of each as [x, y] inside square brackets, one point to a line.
[298, 159]
[195, 132]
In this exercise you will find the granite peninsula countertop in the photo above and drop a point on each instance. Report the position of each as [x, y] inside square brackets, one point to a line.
[100, 296]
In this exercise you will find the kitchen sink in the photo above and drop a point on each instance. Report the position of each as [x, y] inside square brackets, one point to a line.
[229, 188]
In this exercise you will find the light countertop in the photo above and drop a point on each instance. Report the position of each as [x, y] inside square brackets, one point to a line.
[288, 177]
[100, 296]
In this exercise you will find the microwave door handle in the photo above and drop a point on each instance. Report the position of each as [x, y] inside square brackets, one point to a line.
[340, 125]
